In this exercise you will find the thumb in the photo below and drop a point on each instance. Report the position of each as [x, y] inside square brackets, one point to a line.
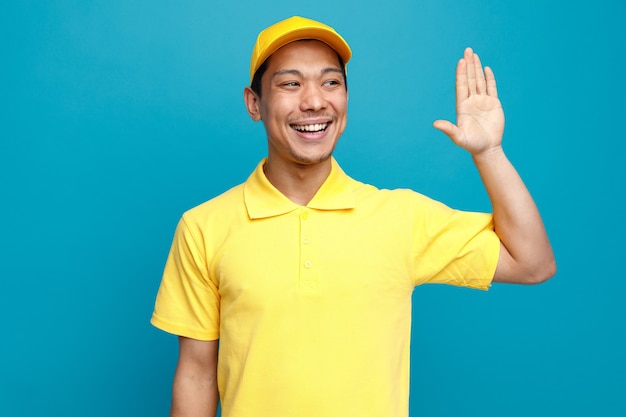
[446, 127]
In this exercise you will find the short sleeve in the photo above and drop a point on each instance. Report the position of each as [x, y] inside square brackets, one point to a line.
[188, 302]
[454, 247]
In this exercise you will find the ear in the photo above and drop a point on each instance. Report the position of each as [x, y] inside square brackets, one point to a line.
[253, 104]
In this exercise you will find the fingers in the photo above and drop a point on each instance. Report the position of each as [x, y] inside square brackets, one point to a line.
[468, 56]
[491, 82]
[471, 79]
[480, 76]
[462, 88]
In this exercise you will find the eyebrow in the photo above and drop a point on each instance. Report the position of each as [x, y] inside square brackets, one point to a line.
[298, 73]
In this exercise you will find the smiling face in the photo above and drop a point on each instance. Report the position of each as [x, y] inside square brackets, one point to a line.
[303, 104]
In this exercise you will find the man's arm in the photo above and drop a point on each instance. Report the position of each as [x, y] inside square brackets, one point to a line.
[526, 256]
[194, 392]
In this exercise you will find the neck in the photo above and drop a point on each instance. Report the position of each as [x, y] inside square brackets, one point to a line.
[297, 182]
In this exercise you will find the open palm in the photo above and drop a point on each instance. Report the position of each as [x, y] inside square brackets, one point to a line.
[480, 118]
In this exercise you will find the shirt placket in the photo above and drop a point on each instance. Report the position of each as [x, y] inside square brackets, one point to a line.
[308, 259]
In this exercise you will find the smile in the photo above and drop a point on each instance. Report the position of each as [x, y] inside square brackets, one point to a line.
[314, 128]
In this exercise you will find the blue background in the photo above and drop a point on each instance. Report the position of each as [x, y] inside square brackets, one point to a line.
[116, 116]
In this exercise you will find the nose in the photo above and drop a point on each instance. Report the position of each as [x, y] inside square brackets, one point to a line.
[313, 98]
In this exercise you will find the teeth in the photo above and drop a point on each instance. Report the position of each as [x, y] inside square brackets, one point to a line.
[311, 128]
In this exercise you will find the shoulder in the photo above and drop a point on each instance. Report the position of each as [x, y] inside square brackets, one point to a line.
[399, 198]
[228, 203]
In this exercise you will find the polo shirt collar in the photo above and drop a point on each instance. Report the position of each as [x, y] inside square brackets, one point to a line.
[262, 199]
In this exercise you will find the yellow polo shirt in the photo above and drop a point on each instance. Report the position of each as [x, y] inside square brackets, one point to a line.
[312, 305]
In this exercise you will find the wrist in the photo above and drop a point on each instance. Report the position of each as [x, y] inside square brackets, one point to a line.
[488, 155]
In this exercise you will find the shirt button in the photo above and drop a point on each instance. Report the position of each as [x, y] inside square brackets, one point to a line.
[306, 239]
[308, 264]
[305, 215]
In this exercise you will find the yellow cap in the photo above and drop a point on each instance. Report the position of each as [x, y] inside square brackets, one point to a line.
[293, 29]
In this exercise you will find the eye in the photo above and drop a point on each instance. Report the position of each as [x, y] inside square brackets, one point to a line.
[290, 84]
[332, 83]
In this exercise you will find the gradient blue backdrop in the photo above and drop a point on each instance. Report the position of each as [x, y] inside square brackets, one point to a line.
[116, 116]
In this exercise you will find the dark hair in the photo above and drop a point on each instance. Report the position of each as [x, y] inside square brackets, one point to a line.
[256, 80]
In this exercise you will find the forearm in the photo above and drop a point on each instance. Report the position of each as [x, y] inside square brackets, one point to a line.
[194, 396]
[194, 392]
[527, 255]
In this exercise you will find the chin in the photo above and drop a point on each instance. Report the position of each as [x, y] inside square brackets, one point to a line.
[312, 159]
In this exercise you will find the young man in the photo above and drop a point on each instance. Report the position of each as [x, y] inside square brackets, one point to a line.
[305, 275]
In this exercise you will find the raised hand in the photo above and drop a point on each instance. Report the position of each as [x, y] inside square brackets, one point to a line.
[480, 118]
